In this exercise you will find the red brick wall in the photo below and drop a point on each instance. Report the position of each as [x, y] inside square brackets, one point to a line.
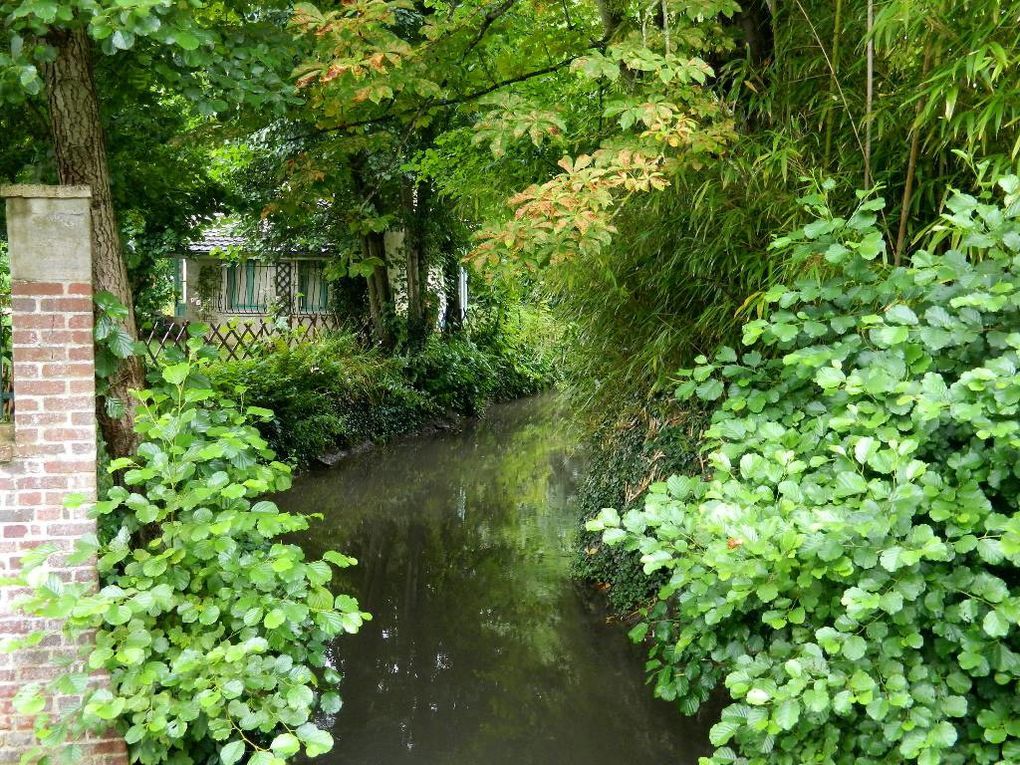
[52, 454]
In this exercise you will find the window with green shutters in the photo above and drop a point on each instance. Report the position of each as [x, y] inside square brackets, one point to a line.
[241, 287]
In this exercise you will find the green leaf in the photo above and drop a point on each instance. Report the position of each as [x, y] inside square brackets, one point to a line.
[849, 483]
[710, 390]
[330, 703]
[829, 377]
[285, 744]
[855, 647]
[995, 624]
[299, 697]
[187, 40]
[888, 336]
[316, 741]
[871, 246]
[788, 714]
[232, 752]
[723, 731]
[339, 559]
[901, 314]
[176, 374]
[28, 700]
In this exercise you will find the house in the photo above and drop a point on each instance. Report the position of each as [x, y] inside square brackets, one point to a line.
[221, 279]
[214, 281]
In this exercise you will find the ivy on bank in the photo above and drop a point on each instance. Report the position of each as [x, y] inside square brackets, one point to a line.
[211, 631]
[849, 566]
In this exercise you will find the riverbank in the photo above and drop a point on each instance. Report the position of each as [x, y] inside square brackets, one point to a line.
[333, 397]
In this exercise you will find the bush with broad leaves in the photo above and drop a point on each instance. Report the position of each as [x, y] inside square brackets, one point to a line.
[212, 633]
[847, 566]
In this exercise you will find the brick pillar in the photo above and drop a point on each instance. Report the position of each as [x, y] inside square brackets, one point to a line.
[51, 451]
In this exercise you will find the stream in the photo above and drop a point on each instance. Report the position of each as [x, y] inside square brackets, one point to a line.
[482, 650]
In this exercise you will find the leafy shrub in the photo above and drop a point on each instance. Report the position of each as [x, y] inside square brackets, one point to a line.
[326, 395]
[453, 372]
[524, 344]
[622, 458]
[333, 394]
[211, 631]
[849, 566]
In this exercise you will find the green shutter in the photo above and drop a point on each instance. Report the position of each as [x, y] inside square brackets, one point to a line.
[312, 287]
[232, 287]
[302, 282]
[249, 283]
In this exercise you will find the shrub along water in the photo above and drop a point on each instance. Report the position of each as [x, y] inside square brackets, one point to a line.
[211, 631]
[848, 565]
[334, 394]
[623, 458]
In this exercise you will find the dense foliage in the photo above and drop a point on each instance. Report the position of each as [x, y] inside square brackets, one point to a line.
[848, 565]
[634, 160]
[622, 459]
[333, 395]
[211, 631]
[327, 395]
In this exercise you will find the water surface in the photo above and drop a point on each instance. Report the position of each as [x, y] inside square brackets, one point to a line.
[482, 651]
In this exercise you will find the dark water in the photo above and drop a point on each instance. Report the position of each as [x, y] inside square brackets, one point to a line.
[482, 649]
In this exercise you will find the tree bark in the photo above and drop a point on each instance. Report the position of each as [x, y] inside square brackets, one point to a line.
[612, 15]
[453, 321]
[379, 297]
[415, 203]
[80, 152]
[756, 26]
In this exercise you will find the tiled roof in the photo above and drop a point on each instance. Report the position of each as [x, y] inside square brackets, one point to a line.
[216, 238]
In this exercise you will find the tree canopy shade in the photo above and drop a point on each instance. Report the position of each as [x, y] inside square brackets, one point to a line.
[214, 53]
[630, 138]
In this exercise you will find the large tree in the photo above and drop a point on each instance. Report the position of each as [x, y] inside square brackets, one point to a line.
[214, 54]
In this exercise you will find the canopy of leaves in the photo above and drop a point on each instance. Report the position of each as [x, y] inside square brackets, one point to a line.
[213, 52]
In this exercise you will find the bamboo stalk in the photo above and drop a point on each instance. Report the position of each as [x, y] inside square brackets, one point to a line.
[665, 27]
[869, 93]
[837, 25]
[908, 185]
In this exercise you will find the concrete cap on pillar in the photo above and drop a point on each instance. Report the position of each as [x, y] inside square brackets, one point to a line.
[49, 233]
[40, 191]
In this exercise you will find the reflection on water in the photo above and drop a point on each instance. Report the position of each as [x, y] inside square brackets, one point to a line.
[481, 651]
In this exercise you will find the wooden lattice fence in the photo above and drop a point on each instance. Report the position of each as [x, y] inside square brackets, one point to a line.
[240, 338]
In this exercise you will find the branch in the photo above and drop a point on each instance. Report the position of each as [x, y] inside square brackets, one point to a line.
[454, 101]
[490, 17]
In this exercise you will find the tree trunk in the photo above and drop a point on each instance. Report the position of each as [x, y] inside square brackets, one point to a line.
[80, 152]
[415, 203]
[612, 15]
[379, 298]
[451, 284]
